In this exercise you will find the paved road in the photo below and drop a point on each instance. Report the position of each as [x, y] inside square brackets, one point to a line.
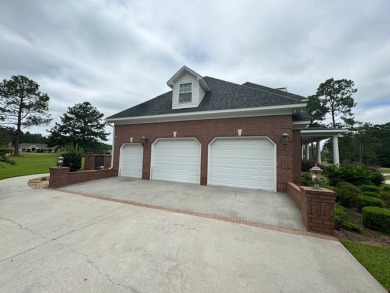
[57, 242]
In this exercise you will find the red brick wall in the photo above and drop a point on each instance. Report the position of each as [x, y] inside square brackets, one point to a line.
[205, 131]
[317, 207]
[297, 156]
[60, 177]
[89, 162]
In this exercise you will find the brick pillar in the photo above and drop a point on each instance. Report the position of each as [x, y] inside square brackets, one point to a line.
[318, 212]
[89, 161]
[59, 177]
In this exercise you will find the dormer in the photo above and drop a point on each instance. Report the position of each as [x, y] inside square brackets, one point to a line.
[188, 88]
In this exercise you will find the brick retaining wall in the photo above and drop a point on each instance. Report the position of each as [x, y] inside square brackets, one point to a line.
[60, 177]
[317, 207]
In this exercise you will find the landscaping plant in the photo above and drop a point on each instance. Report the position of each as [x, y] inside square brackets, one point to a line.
[73, 155]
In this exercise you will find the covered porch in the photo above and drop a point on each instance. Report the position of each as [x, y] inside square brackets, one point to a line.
[316, 135]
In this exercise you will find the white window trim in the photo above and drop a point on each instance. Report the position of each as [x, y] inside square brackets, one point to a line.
[186, 93]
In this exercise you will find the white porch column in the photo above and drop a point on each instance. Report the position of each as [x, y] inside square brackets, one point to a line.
[318, 145]
[336, 156]
[307, 152]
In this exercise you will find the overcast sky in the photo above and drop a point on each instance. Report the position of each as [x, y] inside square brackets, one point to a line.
[116, 54]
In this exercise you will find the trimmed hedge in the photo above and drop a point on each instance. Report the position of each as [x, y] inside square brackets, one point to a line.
[377, 219]
[369, 188]
[364, 201]
[347, 194]
[354, 174]
[340, 215]
[372, 194]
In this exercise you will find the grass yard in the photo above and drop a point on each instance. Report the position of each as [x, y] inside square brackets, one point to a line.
[385, 170]
[376, 260]
[27, 164]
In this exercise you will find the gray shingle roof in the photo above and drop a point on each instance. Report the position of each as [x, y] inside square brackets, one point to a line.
[224, 95]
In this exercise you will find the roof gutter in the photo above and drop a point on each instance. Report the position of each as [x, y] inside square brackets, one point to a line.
[203, 115]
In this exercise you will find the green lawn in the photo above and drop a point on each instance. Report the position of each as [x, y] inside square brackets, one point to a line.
[27, 164]
[385, 170]
[375, 259]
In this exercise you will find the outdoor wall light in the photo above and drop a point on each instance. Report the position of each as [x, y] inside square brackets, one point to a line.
[285, 138]
[144, 140]
[316, 173]
[60, 161]
[174, 133]
[239, 132]
[131, 139]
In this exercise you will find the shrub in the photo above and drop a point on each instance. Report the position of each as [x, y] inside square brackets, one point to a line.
[364, 201]
[308, 164]
[351, 226]
[72, 157]
[347, 194]
[386, 197]
[340, 215]
[306, 179]
[355, 174]
[386, 187]
[369, 188]
[372, 194]
[377, 219]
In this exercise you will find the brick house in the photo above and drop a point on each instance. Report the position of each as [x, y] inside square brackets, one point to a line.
[213, 132]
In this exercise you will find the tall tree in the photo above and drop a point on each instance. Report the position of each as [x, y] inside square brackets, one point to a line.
[22, 104]
[83, 125]
[6, 134]
[333, 100]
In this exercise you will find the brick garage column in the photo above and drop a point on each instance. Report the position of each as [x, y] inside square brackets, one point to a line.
[59, 177]
[318, 215]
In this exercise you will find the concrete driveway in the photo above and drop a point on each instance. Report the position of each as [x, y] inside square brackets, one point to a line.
[246, 204]
[54, 241]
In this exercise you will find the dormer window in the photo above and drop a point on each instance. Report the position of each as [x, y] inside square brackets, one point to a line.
[185, 92]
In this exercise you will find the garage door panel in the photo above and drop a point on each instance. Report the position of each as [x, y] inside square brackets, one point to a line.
[176, 160]
[242, 162]
[131, 161]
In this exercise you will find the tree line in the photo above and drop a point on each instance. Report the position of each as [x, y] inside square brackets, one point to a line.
[22, 105]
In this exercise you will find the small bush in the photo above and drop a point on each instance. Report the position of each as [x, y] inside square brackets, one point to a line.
[351, 226]
[364, 201]
[386, 187]
[308, 164]
[386, 197]
[72, 157]
[372, 194]
[377, 219]
[369, 188]
[306, 179]
[340, 215]
[347, 194]
[354, 174]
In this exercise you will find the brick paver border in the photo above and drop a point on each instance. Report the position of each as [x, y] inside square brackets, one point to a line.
[206, 215]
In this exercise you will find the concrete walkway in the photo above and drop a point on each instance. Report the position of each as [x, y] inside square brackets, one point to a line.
[60, 242]
[252, 205]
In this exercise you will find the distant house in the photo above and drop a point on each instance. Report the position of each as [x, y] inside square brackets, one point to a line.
[36, 148]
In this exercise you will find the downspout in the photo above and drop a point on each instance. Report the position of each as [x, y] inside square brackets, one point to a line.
[113, 141]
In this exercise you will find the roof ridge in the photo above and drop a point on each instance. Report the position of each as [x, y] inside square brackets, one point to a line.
[273, 91]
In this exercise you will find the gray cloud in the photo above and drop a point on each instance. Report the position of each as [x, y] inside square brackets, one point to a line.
[117, 54]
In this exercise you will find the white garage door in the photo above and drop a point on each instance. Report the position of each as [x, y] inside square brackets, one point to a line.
[242, 162]
[176, 160]
[131, 160]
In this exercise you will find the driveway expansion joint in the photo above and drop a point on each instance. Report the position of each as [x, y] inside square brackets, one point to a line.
[207, 215]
